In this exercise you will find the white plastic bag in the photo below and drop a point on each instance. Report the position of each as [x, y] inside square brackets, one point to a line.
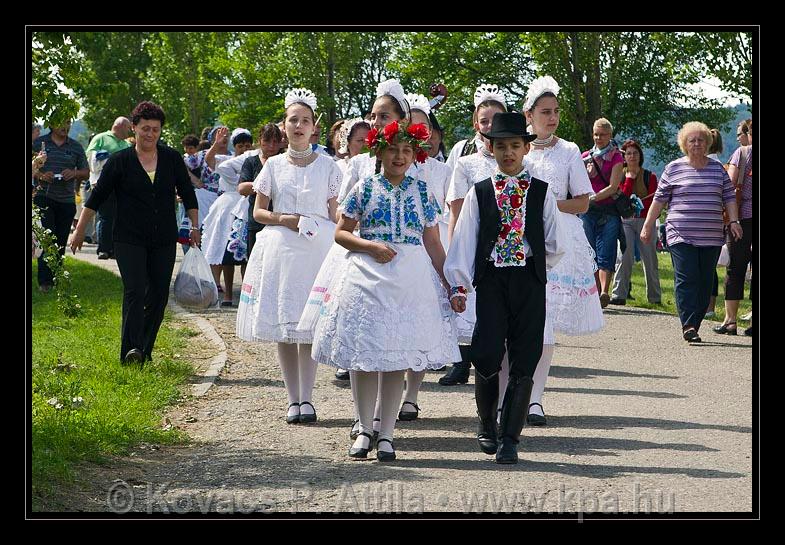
[724, 260]
[194, 286]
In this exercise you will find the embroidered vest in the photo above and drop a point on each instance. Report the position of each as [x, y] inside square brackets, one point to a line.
[491, 224]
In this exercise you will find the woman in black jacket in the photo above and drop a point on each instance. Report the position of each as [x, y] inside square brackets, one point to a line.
[144, 178]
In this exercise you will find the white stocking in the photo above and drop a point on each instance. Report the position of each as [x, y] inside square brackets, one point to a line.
[287, 359]
[353, 386]
[377, 412]
[367, 386]
[392, 390]
[307, 370]
[413, 382]
[540, 376]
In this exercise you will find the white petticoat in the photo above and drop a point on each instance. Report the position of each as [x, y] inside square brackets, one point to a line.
[382, 317]
[278, 278]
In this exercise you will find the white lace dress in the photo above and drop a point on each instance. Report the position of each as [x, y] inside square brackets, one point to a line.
[284, 263]
[386, 316]
[573, 306]
[469, 170]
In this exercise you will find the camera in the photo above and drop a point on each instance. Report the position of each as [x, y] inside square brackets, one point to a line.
[58, 177]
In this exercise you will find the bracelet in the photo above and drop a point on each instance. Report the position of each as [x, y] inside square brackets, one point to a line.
[457, 291]
[195, 229]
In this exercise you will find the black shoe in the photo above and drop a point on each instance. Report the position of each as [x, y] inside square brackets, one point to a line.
[519, 391]
[103, 255]
[617, 301]
[691, 336]
[342, 374]
[295, 418]
[361, 453]
[486, 394]
[226, 303]
[382, 455]
[534, 419]
[354, 432]
[408, 416]
[134, 356]
[458, 374]
[724, 329]
[307, 418]
[748, 331]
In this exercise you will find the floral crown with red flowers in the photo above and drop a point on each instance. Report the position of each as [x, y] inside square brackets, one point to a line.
[416, 135]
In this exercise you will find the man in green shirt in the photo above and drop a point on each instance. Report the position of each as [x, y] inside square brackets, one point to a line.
[101, 147]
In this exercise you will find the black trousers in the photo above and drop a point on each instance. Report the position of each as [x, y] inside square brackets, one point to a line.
[105, 224]
[146, 274]
[740, 252]
[252, 240]
[511, 312]
[58, 217]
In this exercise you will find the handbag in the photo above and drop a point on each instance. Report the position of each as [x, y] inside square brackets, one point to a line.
[622, 205]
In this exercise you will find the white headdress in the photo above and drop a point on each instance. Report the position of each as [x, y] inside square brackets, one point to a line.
[539, 87]
[393, 87]
[488, 92]
[345, 131]
[237, 132]
[419, 102]
[300, 95]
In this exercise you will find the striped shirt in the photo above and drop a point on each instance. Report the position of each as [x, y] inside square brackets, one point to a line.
[59, 158]
[746, 188]
[695, 199]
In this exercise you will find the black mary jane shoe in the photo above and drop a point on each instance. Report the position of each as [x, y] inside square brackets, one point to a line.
[307, 418]
[724, 329]
[295, 418]
[534, 419]
[691, 336]
[408, 416]
[383, 455]
[342, 374]
[355, 431]
[361, 453]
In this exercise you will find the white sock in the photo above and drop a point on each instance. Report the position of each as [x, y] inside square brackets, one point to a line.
[307, 370]
[504, 378]
[413, 382]
[287, 359]
[367, 384]
[392, 391]
[540, 377]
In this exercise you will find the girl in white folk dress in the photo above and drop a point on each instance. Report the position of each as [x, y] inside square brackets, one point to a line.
[572, 305]
[289, 251]
[470, 169]
[386, 310]
[390, 105]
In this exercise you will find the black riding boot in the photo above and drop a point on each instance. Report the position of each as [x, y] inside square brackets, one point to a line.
[459, 372]
[486, 393]
[514, 409]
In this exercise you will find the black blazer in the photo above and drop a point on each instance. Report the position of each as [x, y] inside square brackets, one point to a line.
[491, 225]
[146, 211]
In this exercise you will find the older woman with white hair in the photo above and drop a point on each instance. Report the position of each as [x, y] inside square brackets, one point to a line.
[696, 189]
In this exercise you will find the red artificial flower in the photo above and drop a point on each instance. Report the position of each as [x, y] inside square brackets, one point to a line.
[390, 131]
[371, 138]
[422, 155]
[516, 200]
[419, 131]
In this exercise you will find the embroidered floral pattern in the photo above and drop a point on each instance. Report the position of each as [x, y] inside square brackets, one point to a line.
[511, 198]
[209, 178]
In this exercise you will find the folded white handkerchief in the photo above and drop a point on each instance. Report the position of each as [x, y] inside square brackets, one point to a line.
[308, 227]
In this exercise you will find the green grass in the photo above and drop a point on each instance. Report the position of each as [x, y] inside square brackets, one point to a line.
[79, 357]
[668, 300]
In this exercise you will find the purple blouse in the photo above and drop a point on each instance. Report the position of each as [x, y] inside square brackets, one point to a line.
[695, 199]
[746, 188]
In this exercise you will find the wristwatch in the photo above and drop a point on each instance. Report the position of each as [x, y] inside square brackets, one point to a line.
[736, 221]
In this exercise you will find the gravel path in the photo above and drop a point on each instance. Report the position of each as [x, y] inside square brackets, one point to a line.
[638, 421]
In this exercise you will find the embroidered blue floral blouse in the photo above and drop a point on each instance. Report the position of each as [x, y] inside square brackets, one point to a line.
[391, 214]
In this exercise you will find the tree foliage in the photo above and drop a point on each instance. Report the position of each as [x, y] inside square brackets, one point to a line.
[55, 69]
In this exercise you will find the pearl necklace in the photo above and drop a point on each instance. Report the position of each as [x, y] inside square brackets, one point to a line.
[544, 142]
[294, 154]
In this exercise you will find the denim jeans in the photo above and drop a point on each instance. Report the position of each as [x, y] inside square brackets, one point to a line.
[602, 232]
[693, 277]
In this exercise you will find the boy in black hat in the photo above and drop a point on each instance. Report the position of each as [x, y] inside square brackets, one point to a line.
[506, 237]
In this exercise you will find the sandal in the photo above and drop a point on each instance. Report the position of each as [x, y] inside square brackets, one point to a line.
[409, 415]
[724, 329]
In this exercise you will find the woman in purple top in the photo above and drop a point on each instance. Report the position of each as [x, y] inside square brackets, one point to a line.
[696, 189]
[602, 224]
[740, 172]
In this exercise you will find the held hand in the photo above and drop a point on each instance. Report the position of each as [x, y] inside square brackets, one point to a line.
[292, 221]
[590, 169]
[68, 174]
[458, 304]
[76, 240]
[382, 253]
[736, 231]
[196, 238]
[47, 176]
[646, 234]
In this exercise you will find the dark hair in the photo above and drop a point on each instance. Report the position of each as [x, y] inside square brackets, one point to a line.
[330, 135]
[270, 132]
[313, 114]
[436, 127]
[190, 140]
[485, 104]
[205, 132]
[396, 106]
[545, 94]
[147, 110]
[357, 125]
[716, 142]
[203, 145]
[632, 143]
[242, 137]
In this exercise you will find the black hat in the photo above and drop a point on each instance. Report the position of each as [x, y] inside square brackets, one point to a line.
[509, 125]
